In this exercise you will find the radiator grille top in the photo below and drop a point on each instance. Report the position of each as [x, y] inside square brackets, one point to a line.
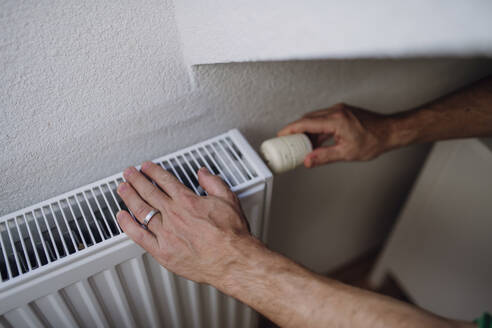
[73, 223]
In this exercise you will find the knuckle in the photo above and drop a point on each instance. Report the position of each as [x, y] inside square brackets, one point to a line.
[141, 210]
[190, 199]
[167, 176]
[233, 197]
[232, 203]
[165, 256]
[138, 237]
[349, 155]
[339, 113]
[293, 126]
[149, 193]
[163, 174]
[302, 121]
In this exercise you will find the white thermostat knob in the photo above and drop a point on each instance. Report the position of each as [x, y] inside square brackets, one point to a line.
[285, 153]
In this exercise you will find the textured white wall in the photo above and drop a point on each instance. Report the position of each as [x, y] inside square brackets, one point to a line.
[220, 31]
[88, 88]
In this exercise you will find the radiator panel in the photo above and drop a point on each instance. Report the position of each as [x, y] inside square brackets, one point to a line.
[66, 263]
[108, 299]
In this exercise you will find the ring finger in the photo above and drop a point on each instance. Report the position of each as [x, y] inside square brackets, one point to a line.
[137, 205]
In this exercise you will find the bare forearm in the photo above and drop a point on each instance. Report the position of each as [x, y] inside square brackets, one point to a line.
[273, 285]
[291, 296]
[462, 114]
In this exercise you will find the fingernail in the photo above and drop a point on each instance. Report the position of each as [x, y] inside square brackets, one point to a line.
[119, 215]
[146, 165]
[129, 171]
[204, 170]
[122, 187]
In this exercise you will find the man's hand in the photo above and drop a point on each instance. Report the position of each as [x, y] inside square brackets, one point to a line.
[358, 135]
[361, 135]
[195, 237]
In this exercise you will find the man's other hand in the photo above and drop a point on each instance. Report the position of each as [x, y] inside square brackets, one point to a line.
[358, 135]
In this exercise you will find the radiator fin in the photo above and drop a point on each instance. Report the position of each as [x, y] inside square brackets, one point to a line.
[82, 297]
[23, 317]
[56, 311]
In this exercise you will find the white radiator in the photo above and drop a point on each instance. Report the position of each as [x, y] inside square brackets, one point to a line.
[65, 262]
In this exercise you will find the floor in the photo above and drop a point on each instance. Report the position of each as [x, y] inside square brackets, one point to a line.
[356, 273]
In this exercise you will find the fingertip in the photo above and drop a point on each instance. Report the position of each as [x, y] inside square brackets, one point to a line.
[324, 155]
[129, 171]
[146, 165]
[203, 174]
[204, 170]
[309, 161]
[122, 215]
[121, 187]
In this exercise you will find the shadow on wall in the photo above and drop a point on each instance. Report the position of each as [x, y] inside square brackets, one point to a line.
[340, 211]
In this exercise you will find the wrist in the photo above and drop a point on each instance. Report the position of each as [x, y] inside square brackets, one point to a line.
[242, 256]
[254, 267]
[403, 130]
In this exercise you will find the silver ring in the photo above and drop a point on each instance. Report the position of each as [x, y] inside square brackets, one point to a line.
[150, 216]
